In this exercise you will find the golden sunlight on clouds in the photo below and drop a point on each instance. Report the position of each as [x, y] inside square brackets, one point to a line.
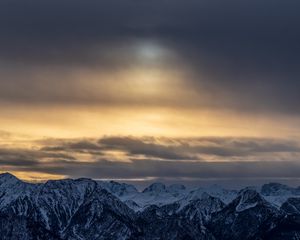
[144, 90]
[93, 121]
[148, 97]
[35, 176]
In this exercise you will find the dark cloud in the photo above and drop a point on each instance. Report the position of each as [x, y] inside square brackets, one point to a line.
[191, 147]
[80, 146]
[170, 159]
[224, 148]
[244, 55]
[230, 146]
[28, 158]
[135, 146]
[187, 171]
[150, 168]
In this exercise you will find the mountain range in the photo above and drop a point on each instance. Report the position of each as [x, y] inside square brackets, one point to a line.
[84, 209]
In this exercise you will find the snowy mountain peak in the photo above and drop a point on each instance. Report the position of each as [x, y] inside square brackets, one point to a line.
[176, 187]
[7, 177]
[201, 209]
[155, 187]
[277, 189]
[292, 206]
[248, 198]
[118, 189]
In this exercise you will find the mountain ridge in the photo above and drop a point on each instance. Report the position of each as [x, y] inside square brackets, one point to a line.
[86, 209]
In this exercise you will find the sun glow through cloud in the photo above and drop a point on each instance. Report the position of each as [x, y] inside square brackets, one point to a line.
[165, 72]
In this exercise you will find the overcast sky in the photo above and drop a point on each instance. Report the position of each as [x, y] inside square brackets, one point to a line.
[150, 90]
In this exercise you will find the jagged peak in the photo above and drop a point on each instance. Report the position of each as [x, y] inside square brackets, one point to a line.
[207, 199]
[176, 187]
[117, 188]
[68, 181]
[7, 174]
[248, 198]
[123, 185]
[276, 189]
[291, 205]
[84, 180]
[51, 181]
[155, 187]
[8, 177]
[249, 194]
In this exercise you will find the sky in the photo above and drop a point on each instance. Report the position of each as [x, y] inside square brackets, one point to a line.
[196, 92]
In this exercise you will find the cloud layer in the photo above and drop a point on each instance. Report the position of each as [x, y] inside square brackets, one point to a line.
[128, 158]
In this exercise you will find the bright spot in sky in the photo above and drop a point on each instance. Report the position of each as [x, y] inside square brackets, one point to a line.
[149, 52]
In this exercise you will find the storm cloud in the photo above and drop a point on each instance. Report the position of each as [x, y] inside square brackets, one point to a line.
[243, 55]
[124, 89]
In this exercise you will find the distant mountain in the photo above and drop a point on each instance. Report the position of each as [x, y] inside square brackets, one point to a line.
[249, 216]
[278, 193]
[84, 209]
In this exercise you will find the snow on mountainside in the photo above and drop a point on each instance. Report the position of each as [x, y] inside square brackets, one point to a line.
[11, 188]
[86, 209]
[249, 216]
[59, 200]
[249, 198]
[215, 191]
[157, 194]
[278, 193]
[292, 206]
[201, 210]
[118, 189]
[160, 194]
[101, 214]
